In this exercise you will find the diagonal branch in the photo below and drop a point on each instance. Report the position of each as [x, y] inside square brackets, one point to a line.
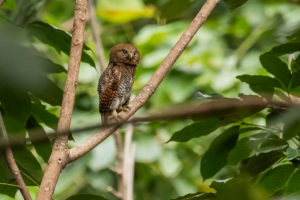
[153, 83]
[60, 151]
[13, 165]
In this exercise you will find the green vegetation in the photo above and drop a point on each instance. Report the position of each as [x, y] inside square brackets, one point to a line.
[247, 51]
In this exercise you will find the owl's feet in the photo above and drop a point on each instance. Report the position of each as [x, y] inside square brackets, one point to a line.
[125, 108]
[114, 117]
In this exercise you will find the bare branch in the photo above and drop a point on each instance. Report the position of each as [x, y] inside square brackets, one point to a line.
[1, 2]
[185, 111]
[153, 83]
[60, 151]
[96, 35]
[119, 167]
[128, 164]
[13, 165]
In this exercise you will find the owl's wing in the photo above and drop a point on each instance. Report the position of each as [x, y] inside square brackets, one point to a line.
[110, 90]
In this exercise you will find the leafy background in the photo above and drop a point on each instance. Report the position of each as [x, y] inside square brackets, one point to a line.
[244, 47]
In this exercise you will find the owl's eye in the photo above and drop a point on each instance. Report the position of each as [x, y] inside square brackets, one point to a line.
[134, 53]
[124, 51]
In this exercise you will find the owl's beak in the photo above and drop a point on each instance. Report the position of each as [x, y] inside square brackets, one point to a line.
[131, 54]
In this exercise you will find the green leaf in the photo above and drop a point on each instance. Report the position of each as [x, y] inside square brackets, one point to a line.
[15, 103]
[258, 163]
[272, 144]
[237, 189]
[197, 129]
[197, 196]
[49, 92]
[242, 150]
[294, 184]
[174, 8]
[49, 66]
[41, 114]
[276, 178]
[44, 147]
[276, 67]
[28, 165]
[262, 85]
[9, 5]
[56, 38]
[286, 48]
[216, 156]
[291, 128]
[235, 3]
[295, 66]
[292, 153]
[85, 197]
[13, 126]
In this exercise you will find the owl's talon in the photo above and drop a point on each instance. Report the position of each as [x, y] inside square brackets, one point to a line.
[126, 108]
[123, 108]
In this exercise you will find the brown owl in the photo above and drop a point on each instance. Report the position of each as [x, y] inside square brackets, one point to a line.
[116, 81]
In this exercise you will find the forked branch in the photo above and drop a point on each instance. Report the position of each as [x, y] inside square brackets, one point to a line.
[60, 152]
[153, 83]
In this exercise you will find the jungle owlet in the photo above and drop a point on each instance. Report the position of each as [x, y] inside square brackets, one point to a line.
[116, 81]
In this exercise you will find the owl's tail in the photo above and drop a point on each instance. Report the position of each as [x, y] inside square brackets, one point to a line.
[104, 117]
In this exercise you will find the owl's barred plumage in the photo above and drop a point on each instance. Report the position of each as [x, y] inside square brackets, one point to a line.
[116, 81]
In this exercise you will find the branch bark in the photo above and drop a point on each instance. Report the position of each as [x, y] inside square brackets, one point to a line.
[96, 35]
[60, 151]
[128, 164]
[153, 83]
[13, 165]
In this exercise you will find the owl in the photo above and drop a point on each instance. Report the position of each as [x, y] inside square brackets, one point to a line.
[115, 83]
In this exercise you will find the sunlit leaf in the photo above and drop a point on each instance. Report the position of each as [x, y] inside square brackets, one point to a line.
[216, 156]
[9, 4]
[56, 38]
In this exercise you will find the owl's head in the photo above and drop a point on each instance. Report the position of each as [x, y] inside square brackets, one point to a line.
[124, 53]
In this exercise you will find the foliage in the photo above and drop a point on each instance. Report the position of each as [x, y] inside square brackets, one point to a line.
[238, 154]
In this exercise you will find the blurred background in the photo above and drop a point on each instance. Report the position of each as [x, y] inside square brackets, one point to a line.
[228, 45]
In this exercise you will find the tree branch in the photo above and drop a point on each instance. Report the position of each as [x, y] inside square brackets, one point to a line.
[60, 151]
[215, 108]
[119, 167]
[96, 35]
[13, 165]
[153, 83]
[128, 164]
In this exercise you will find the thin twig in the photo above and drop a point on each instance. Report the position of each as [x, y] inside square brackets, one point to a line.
[13, 165]
[215, 108]
[153, 83]
[128, 164]
[60, 152]
[119, 163]
[96, 35]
